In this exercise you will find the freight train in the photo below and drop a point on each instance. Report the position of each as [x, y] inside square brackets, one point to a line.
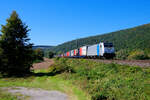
[101, 50]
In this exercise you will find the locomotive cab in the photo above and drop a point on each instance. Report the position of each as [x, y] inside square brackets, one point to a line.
[107, 50]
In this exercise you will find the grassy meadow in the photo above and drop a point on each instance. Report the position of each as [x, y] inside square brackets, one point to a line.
[82, 79]
[105, 81]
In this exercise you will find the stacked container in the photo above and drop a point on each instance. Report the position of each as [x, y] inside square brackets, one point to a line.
[83, 51]
[93, 50]
[68, 53]
[75, 52]
[72, 53]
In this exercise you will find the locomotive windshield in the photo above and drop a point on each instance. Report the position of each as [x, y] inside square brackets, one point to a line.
[108, 45]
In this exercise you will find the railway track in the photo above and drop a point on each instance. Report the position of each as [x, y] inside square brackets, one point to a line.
[141, 63]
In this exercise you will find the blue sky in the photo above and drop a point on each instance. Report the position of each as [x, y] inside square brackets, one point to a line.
[53, 22]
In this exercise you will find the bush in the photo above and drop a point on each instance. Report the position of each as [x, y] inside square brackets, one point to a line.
[122, 54]
[147, 52]
[138, 55]
[60, 67]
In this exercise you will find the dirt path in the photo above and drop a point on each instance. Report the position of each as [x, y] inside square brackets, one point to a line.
[23, 93]
[36, 94]
[43, 65]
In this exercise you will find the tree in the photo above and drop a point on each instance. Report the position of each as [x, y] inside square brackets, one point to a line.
[50, 54]
[0, 57]
[17, 53]
[38, 54]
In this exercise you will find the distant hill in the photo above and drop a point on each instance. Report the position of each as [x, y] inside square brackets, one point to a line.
[133, 38]
[42, 47]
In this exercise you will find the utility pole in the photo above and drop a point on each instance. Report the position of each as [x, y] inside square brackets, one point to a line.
[77, 47]
[77, 43]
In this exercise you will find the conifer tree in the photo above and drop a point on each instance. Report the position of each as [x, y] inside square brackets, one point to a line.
[16, 50]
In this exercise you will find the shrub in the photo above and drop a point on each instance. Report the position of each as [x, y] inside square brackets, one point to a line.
[147, 52]
[122, 54]
[138, 55]
[60, 67]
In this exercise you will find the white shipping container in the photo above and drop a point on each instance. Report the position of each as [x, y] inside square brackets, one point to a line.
[72, 53]
[92, 50]
[75, 52]
[83, 51]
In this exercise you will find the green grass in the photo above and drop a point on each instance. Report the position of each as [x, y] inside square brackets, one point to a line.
[106, 81]
[44, 82]
[87, 80]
